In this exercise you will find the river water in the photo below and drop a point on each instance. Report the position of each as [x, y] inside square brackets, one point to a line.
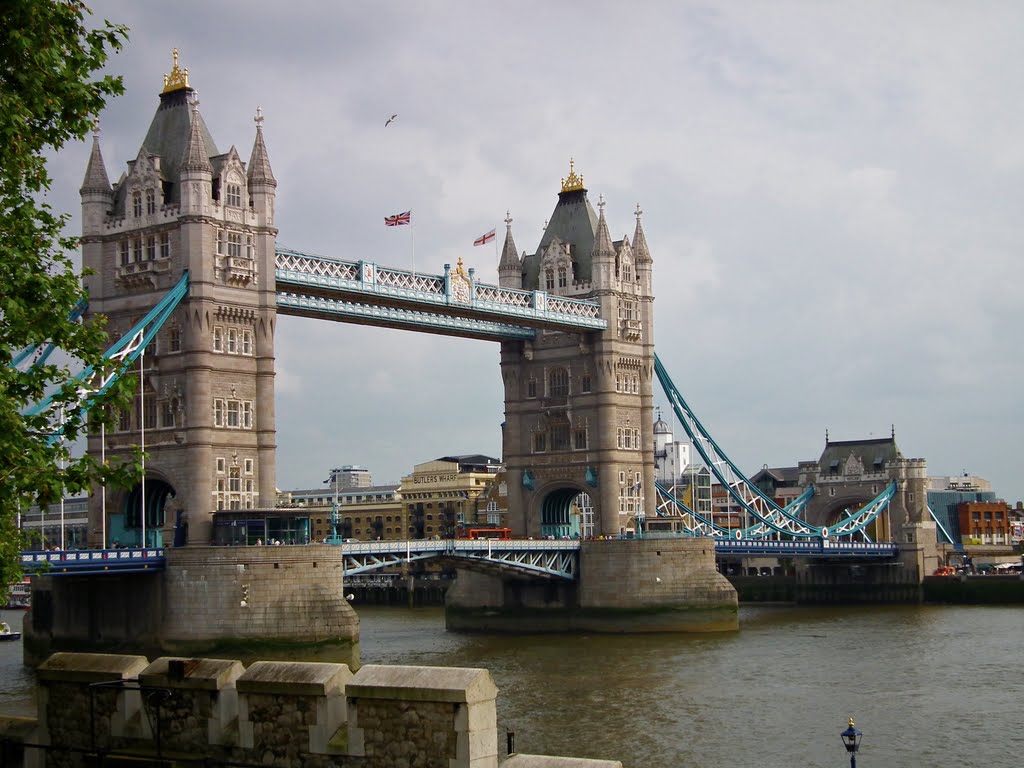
[927, 686]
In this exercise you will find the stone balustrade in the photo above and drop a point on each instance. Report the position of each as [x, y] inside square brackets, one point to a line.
[273, 713]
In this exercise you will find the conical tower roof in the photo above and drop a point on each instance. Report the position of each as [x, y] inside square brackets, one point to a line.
[602, 238]
[259, 170]
[96, 179]
[509, 262]
[640, 250]
[574, 222]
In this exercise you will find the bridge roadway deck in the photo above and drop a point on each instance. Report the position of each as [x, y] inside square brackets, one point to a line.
[539, 558]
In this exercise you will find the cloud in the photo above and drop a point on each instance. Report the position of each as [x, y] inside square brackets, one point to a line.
[831, 197]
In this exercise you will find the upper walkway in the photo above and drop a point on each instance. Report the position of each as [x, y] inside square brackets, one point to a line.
[453, 303]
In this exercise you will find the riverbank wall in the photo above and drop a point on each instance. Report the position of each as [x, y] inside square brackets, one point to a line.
[100, 709]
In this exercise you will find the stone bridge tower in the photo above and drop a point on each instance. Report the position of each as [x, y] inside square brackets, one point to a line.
[579, 406]
[206, 409]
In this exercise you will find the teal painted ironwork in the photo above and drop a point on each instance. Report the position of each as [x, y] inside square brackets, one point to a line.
[92, 383]
[456, 293]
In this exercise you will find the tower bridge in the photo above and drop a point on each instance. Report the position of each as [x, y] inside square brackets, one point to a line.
[575, 324]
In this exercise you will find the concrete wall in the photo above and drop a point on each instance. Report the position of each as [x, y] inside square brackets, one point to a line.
[294, 714]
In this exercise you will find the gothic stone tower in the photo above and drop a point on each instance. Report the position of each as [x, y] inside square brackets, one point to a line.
[207, 405]
[578, 406]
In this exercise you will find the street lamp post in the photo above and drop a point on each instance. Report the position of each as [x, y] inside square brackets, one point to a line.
[334, 478]
[851, 740]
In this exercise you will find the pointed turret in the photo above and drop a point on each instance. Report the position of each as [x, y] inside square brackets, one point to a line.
[195, 157]
[259, 162]
[97, 194]
[96, 179]
[640, 250]
[510, 274]
[642, 256]
[602, 260]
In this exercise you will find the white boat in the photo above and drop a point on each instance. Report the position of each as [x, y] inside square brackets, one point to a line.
[6, 633]
[19, 595]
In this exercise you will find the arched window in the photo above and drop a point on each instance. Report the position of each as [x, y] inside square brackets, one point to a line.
[150, 202]
[561, 277]
[136, 204]
[549, 279]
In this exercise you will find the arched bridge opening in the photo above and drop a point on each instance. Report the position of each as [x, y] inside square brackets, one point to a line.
[563, 512]
[143, 515]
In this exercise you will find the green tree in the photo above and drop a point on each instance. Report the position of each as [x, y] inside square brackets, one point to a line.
[51, 91]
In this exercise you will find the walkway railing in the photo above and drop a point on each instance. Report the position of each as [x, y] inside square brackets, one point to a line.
[453, 302]
[81, 561]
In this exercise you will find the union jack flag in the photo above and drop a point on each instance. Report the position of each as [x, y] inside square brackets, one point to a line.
[398, 219]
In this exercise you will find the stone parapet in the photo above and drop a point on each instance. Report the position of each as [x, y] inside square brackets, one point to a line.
[97, 706]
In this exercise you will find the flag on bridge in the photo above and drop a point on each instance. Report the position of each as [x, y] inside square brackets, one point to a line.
[398, 219]
[484, 238]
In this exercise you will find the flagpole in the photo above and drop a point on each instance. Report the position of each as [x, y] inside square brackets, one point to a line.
[412, 242]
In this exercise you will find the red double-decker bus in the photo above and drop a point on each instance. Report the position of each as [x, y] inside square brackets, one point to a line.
[486, 533]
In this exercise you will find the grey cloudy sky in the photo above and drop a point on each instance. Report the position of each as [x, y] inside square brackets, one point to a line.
[831, 195]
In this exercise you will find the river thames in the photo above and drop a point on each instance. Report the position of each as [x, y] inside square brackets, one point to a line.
[926, 685]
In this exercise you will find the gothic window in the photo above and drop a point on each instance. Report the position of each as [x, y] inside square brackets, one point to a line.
[136, 204]
[248, 466]
[558, 383]
[221, 465]
[531, 388]
[220, 242]
[149, 412]
[234, 195]
[150, 248]
[232, 414]
[627, 273]
[235, 244]
[636, 383]
[246, 342]
[218, 338]
[248, 247]
[218, 413]
[124, 420]
[585, 382]
[560, 437]
[150, 202]
[561, 277]
[246, 414]
[165, 245]
[549, 279]
[580, 439]
[174, 339]
[232, 341]
[234, 480]
[540, 442]
[166, 414]
[136, 250]
[124, 252]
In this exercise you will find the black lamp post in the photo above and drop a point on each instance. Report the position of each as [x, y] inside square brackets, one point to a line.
[851, 740]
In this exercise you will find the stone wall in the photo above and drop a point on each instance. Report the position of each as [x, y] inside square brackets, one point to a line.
[625, 585]
[253, 602]
[272, 713]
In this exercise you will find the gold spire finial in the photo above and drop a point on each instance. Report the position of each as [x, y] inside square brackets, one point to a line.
[177, 79]
[572, 182]
[458, 267]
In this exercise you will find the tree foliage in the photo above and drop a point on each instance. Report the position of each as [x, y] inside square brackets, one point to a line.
[51, 91]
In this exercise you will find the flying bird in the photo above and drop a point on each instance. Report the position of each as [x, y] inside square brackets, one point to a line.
[390, 120]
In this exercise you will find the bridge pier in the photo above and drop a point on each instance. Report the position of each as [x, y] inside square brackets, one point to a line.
[624, 586]
[246, 602]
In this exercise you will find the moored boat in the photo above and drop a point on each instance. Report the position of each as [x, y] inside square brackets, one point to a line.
[6, 633]
[19, 595]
